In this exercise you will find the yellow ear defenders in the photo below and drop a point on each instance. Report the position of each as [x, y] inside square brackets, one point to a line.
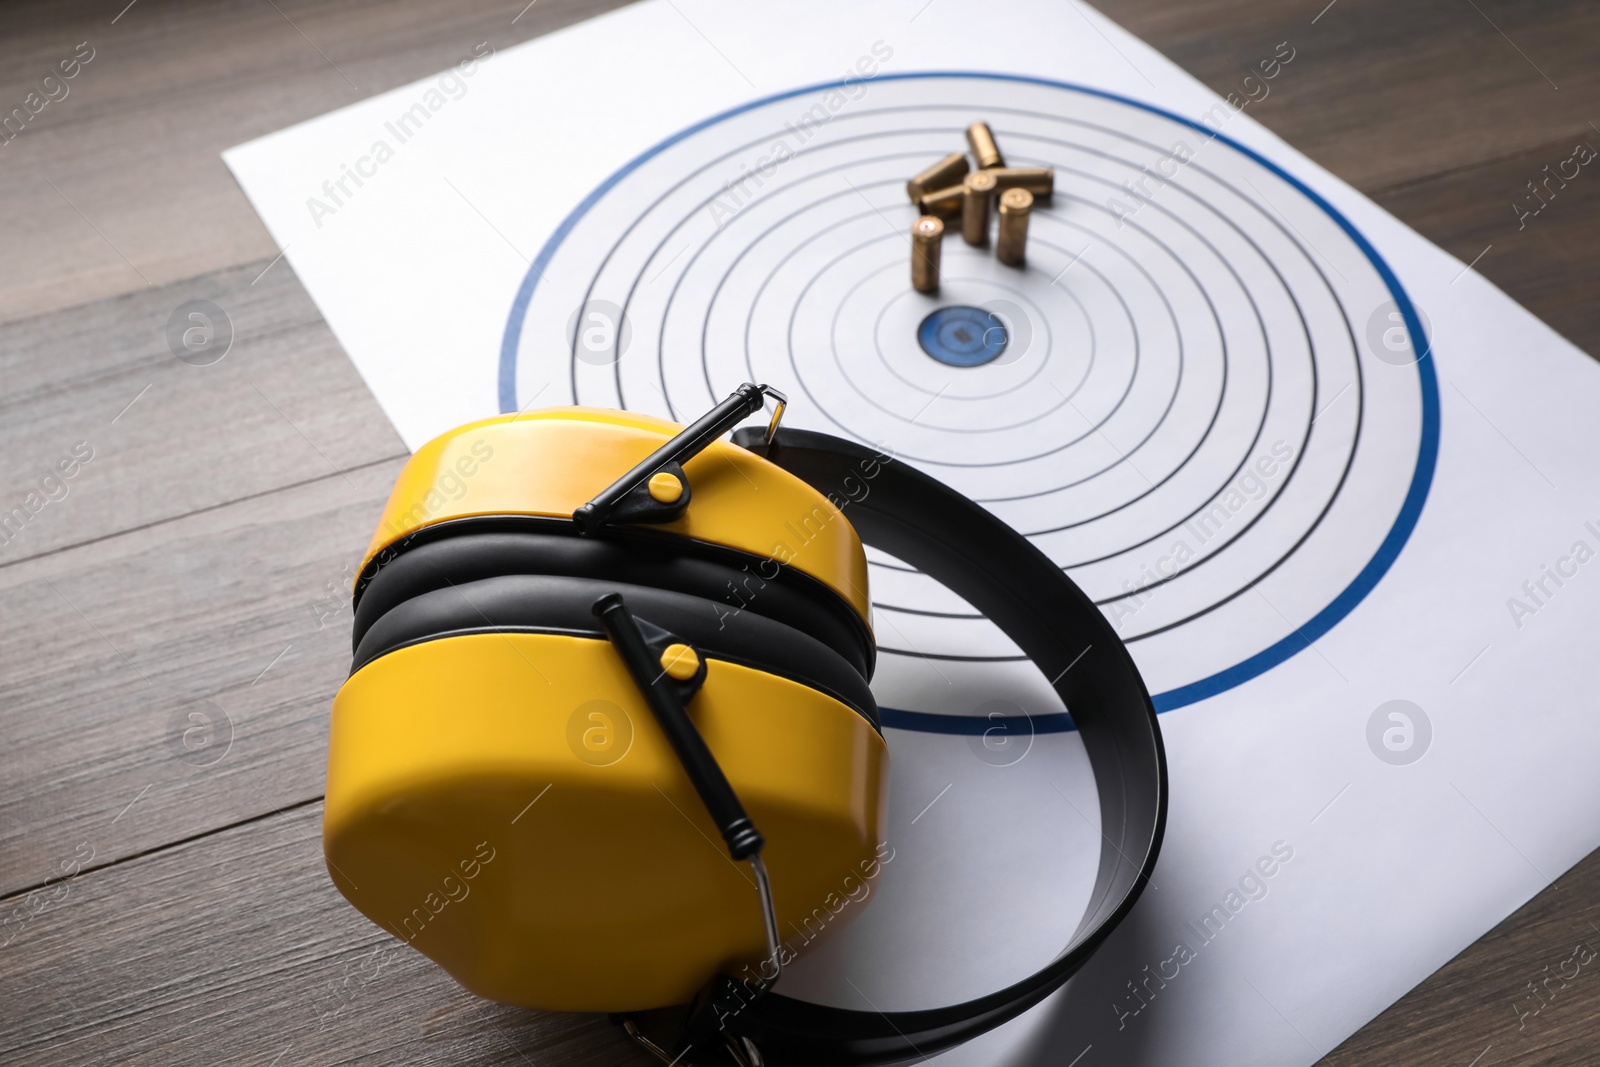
[608, 728]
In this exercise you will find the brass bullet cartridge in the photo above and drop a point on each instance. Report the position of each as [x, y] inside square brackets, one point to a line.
[978, 188]
[927, 237]
[944, 203]
[942, 175]
[1040, 181]
[984, 149]
[1012, 245]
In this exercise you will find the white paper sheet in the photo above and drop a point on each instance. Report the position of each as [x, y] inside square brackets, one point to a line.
[1214, 346]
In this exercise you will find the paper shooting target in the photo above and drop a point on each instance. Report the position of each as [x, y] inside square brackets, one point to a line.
[1206, 397]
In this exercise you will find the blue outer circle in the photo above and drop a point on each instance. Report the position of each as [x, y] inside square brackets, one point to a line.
[1363, 583]
[962, 336]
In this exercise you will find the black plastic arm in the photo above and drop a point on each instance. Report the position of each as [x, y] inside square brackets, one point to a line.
[704, 772]
[689, 442]
[999, 572]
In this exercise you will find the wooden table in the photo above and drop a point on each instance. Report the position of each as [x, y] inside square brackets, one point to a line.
[192, 576]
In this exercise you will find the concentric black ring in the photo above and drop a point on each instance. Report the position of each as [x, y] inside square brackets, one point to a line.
[1153, 440]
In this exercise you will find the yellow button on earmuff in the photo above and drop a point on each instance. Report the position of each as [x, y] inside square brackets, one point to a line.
[665, 488]
[680, 661]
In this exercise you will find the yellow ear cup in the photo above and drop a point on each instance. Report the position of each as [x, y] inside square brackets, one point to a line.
[505, 804]
[499, 795]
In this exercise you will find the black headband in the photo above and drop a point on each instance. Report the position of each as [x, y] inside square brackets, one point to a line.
[995, 569]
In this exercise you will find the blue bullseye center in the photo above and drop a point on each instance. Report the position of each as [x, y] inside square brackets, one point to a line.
[962, 336]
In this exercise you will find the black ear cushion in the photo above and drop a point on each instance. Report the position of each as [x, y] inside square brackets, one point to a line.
[558, 604]
[758, 587]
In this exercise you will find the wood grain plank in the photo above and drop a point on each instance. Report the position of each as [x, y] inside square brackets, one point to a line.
[237, 949]
[172, 84]
[1383, 93]
[1548, 261]
[238, 615]
[166, 437]
[62, 352]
